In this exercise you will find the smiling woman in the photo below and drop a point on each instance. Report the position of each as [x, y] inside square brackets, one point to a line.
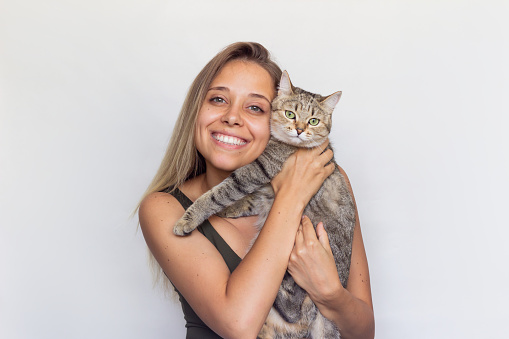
[224, 125]
[233, 123]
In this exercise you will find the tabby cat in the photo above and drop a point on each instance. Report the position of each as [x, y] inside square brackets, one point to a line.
[299, 119]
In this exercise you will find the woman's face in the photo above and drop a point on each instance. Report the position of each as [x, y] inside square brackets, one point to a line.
[232, 127]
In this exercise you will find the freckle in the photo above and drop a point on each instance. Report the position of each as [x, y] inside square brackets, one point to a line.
[362, 280]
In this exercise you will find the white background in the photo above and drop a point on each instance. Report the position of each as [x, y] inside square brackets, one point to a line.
[89, 92]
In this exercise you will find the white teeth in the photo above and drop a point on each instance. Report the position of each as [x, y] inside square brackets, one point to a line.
[229, 139]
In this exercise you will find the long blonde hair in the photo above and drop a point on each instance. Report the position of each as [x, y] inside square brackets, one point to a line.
[182, 160]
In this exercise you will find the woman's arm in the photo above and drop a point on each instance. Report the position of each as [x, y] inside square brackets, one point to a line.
[312, 266]
[234, 305]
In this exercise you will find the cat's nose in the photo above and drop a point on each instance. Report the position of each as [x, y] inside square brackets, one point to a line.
[299, 131]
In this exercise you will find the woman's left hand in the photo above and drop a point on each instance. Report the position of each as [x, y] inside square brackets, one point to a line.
[312, 264]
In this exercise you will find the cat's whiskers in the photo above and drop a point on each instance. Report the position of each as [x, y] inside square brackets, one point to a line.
[312, 141]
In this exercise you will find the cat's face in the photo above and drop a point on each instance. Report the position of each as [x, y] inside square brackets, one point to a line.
[300, 118]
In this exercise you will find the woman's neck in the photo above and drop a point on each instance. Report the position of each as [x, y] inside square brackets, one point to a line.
[213, 177]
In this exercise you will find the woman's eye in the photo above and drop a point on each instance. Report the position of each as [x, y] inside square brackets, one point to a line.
[217, 99]
[314, 121]
[290, 114]
[256, 109]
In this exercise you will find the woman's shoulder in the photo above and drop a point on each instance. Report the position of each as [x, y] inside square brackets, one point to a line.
[163, 208]
[157, 208]
[159, 201]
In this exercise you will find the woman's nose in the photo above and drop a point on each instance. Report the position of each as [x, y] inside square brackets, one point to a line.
[232, 116]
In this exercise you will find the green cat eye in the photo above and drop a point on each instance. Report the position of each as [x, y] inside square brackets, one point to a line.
[290, 114]
[314, 121]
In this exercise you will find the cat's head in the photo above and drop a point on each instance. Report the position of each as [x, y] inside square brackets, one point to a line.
[301, 118]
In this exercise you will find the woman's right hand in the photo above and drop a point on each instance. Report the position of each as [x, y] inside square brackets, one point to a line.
[304, 172]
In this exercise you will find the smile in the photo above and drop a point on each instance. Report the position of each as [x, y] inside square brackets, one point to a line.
[228, 139]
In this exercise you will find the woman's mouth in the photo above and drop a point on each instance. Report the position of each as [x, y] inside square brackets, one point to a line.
[228, 139]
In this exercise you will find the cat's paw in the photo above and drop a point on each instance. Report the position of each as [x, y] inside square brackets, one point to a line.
[183, 227]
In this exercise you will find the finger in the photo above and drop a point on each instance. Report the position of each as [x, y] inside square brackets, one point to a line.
[324, 144]
[320, 148]
[323, 237]
[299, 237]
[329, 169]
[308, 230]
[327, 156]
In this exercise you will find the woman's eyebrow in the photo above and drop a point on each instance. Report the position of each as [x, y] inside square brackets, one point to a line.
[259, 96]
[219, 88]
[226, 89]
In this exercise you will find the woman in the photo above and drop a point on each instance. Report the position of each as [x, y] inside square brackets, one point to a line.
[226, 287]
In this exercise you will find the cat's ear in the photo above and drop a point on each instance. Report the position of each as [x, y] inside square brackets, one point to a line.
[285, 85]
[332, 100]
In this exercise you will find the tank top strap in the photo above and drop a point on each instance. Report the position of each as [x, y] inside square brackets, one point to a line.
[181, 197]
[231, 258]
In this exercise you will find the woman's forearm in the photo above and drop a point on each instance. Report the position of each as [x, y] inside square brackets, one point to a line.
[353, 317]
[256, 280]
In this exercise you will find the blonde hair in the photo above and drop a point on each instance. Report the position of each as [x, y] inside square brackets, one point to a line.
[182, 160]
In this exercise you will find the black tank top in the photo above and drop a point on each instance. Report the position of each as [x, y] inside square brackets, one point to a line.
[196, 328]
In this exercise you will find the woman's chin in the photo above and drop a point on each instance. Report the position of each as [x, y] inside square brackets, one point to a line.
[225, 164]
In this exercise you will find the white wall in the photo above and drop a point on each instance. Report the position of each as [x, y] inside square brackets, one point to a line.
[89, 91]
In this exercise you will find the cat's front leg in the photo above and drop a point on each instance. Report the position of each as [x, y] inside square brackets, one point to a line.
[240, 183]
[195, 215]
[256, 203]
[242, 208]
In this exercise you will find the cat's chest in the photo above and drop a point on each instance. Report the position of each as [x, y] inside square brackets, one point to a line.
[238, 233]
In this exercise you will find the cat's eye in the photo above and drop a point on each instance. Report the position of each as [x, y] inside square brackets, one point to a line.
[290, 114]
[313, 121]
